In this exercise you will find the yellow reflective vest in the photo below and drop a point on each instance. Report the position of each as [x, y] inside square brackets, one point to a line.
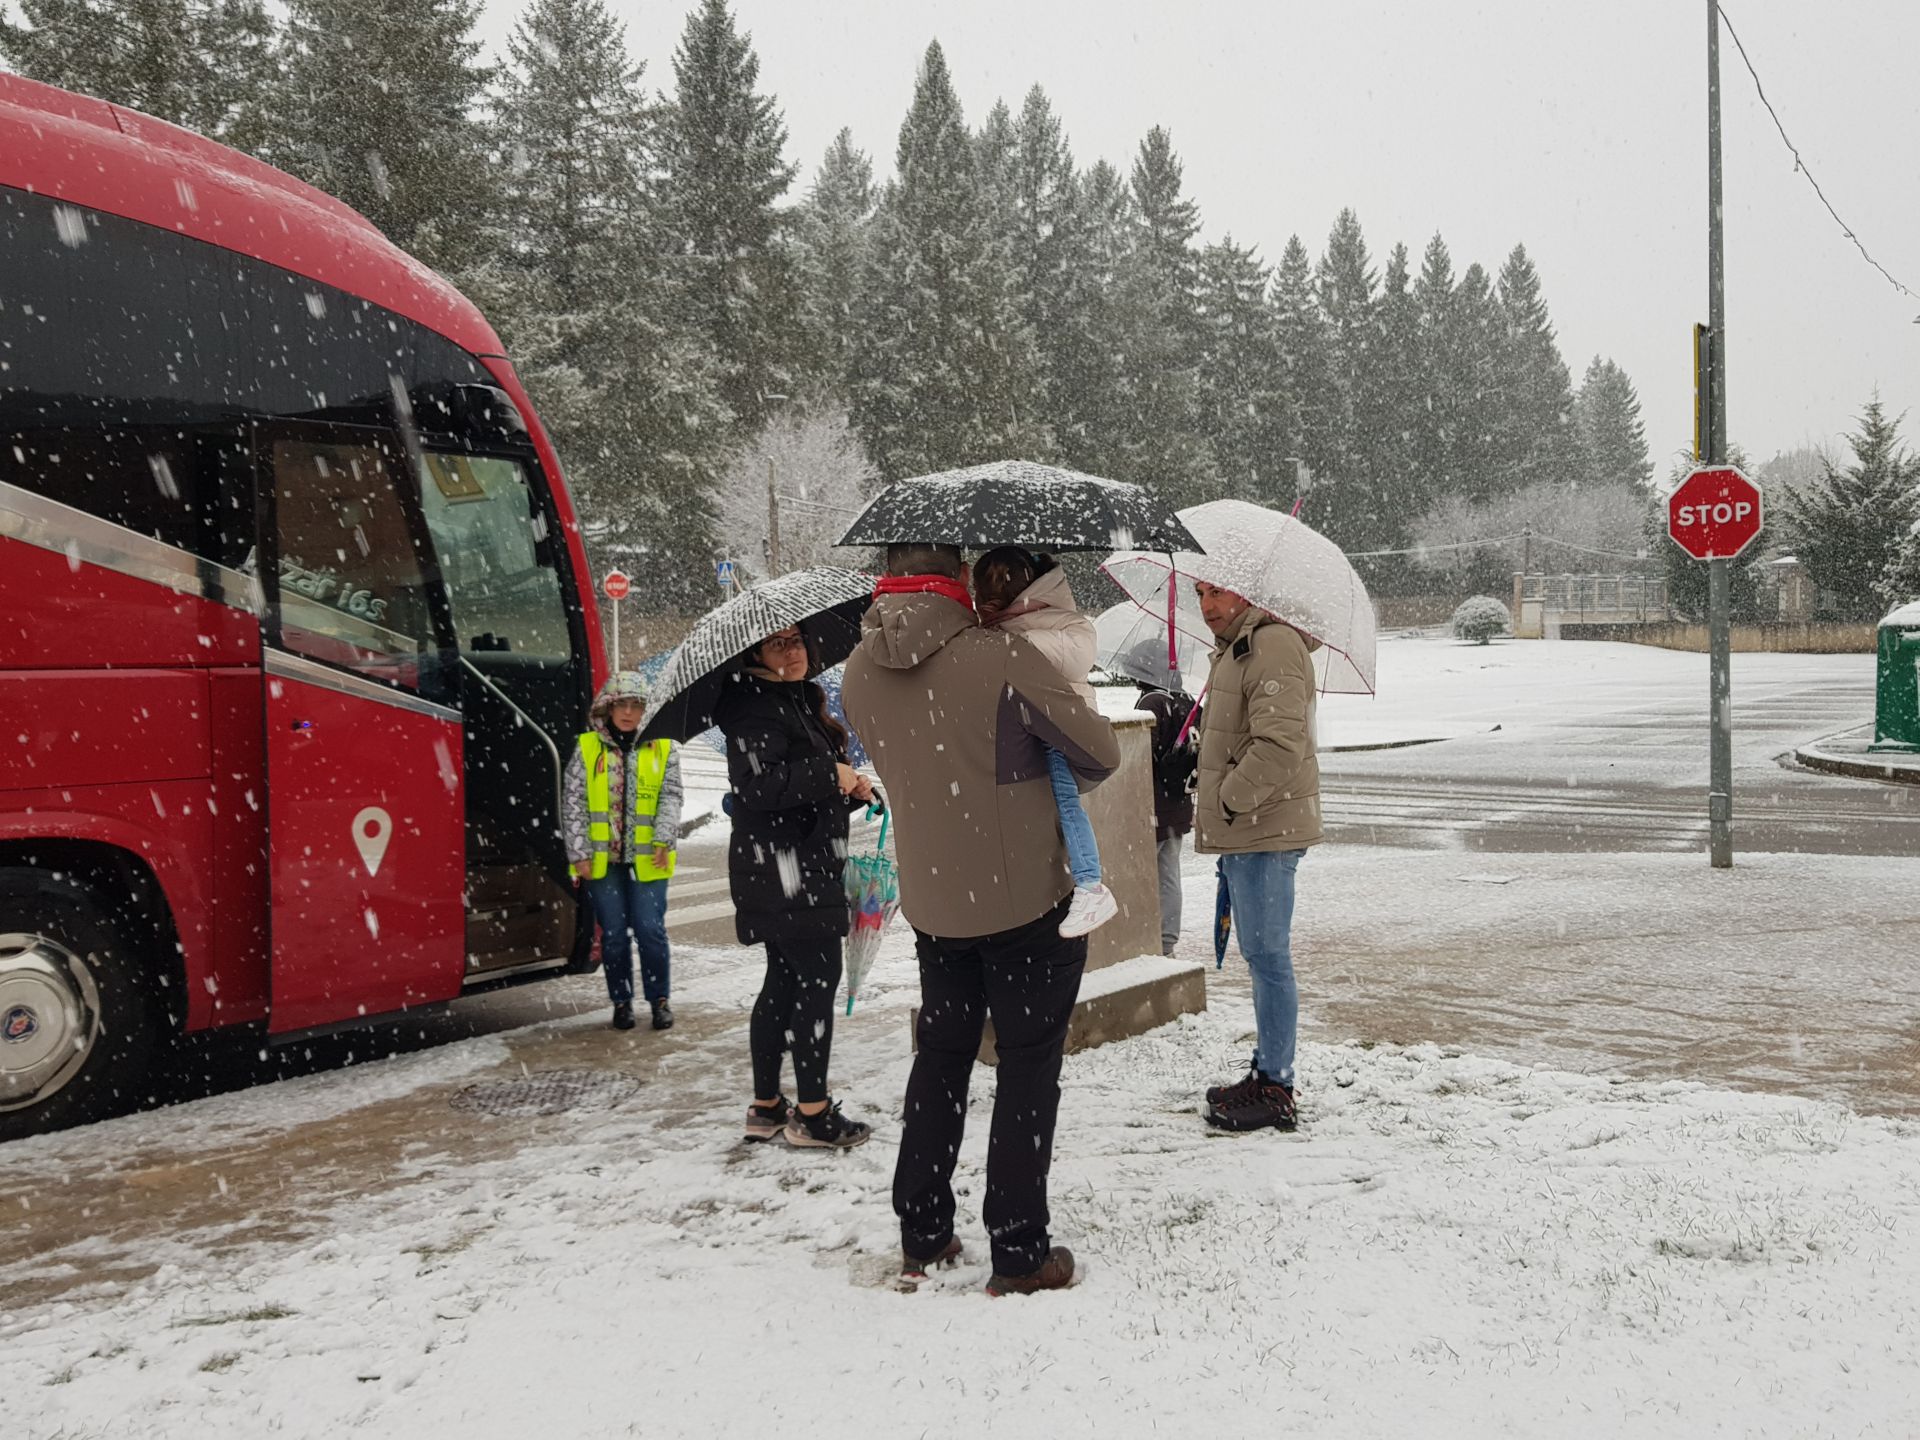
[650, 772]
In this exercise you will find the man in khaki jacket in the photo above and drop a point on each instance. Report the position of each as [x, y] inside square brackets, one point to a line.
[1258, 808]
[958, 720]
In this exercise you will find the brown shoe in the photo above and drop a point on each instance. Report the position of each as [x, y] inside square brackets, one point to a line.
[1055, 1273]
[913, 1271]
[1265, 1105]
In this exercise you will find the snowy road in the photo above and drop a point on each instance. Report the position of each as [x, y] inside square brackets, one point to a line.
[1513, 1211]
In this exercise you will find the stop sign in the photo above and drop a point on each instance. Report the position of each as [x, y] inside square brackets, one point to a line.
[1715, 513]
[616, 585]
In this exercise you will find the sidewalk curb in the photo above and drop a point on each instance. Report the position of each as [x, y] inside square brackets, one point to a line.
[1858, 763]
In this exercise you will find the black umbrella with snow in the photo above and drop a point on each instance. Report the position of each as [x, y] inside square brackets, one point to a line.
[825, 603]
[1017, 502]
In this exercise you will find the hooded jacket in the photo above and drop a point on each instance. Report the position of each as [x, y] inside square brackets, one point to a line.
[786, 859]
[627, 685]
[958, 720]
[1045, 616]
[1259, 785]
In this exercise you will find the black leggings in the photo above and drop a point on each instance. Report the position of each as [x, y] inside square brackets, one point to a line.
[795, 1012]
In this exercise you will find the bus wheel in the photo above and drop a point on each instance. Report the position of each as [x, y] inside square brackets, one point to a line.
[78, 1013]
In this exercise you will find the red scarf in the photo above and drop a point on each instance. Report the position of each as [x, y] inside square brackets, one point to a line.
[954, 590]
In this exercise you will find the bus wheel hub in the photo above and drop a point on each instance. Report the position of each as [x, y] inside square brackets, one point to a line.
[49, 1017]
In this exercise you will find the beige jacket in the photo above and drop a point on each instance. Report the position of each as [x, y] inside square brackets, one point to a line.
[957, 720]
[1259, 785]
[1045, 617]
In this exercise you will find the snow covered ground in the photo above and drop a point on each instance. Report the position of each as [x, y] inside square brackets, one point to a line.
[1568, 1241]
[1453, 1246]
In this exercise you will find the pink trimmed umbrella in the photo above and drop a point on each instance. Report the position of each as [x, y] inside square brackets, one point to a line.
[1283, 566]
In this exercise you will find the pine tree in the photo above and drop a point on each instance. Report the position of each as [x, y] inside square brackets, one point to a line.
[1440, 392]
[723, 173]
[1480, 400]
[946, 371]
[831, 239]
[581, 299]
[1242, 415]
[1847, 527]
[1346, 500]
[207, 65]
[379, 106]
[1159, 287]
[1089, 395]
[1612, 439]
[1048, 249]
[1306, 397]
[1392, 409]
[1535, 430]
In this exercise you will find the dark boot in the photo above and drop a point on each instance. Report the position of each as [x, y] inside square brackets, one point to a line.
[1219, 1094]
[623, 1017]
[913, 1270]
[1266, 1106]
[1055, 1273]
[662, 1016]
[827, 1129]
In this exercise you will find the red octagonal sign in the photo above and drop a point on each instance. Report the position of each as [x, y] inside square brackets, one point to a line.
[617, 586]
[1715, 513]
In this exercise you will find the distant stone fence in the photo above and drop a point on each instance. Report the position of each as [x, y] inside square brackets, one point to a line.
[1806, 637]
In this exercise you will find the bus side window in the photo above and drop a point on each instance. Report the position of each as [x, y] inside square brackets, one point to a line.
[351, 587]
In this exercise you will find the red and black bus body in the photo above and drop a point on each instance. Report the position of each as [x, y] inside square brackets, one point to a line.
[295, 619]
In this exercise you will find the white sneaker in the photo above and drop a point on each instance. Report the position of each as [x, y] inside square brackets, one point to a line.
[1093, 906]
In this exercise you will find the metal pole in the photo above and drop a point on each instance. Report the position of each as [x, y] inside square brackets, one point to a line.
[616, 637]
[1719, 584]
[773, 522]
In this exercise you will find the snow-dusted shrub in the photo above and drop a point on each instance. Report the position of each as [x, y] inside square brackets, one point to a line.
[1481, 618]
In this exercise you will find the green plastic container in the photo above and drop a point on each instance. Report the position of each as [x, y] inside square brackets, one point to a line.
[1896, 709]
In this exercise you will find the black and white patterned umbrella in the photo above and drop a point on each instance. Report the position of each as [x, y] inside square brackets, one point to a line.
[824, 602]
[1018, 502]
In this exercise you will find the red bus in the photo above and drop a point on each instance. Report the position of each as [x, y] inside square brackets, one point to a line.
[295, 619]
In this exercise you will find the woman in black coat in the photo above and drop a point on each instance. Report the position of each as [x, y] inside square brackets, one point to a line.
[792, 793]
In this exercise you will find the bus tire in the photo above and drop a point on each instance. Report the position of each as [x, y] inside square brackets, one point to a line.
[80, 1012]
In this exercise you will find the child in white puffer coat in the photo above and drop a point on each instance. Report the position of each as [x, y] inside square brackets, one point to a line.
[1028, 595]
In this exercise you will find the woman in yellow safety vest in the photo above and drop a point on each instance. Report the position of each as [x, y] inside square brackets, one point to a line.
[621, 817]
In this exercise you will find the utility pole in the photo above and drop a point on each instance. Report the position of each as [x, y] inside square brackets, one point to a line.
[1719, 580]
[773, 523]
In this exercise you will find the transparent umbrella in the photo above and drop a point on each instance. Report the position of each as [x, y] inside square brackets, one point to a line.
[1282, 565]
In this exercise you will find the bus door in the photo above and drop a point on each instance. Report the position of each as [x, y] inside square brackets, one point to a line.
[364, 764]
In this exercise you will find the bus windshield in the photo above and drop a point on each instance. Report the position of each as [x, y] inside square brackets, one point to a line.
[499, 563]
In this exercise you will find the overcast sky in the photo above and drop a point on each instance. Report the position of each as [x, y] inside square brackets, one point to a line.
[1579, 130]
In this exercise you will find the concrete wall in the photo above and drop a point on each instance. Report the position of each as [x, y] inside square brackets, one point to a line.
[1804, 638]
[1121, 809]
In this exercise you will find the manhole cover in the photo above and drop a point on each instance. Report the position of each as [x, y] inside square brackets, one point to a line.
[549, 1092]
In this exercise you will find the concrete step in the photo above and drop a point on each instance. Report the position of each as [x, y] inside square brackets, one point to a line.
[1129, 997]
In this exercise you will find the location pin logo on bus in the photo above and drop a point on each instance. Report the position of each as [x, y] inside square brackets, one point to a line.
[372, 829]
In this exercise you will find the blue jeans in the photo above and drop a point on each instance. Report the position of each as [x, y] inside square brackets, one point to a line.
[1083, 852]
[630, 910]
[1261, 885]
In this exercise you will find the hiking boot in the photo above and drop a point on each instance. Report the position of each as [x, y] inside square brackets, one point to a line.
[1093, 905]
[1055, 1273]
[662, 1016]
[1265, 1105]
[623, 1017]
[913, 1271]
[1224, 1094]
[827, 1130]
[766, 1121]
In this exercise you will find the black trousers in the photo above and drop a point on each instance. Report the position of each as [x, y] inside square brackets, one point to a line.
[795, 1012]
[1027, 979]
